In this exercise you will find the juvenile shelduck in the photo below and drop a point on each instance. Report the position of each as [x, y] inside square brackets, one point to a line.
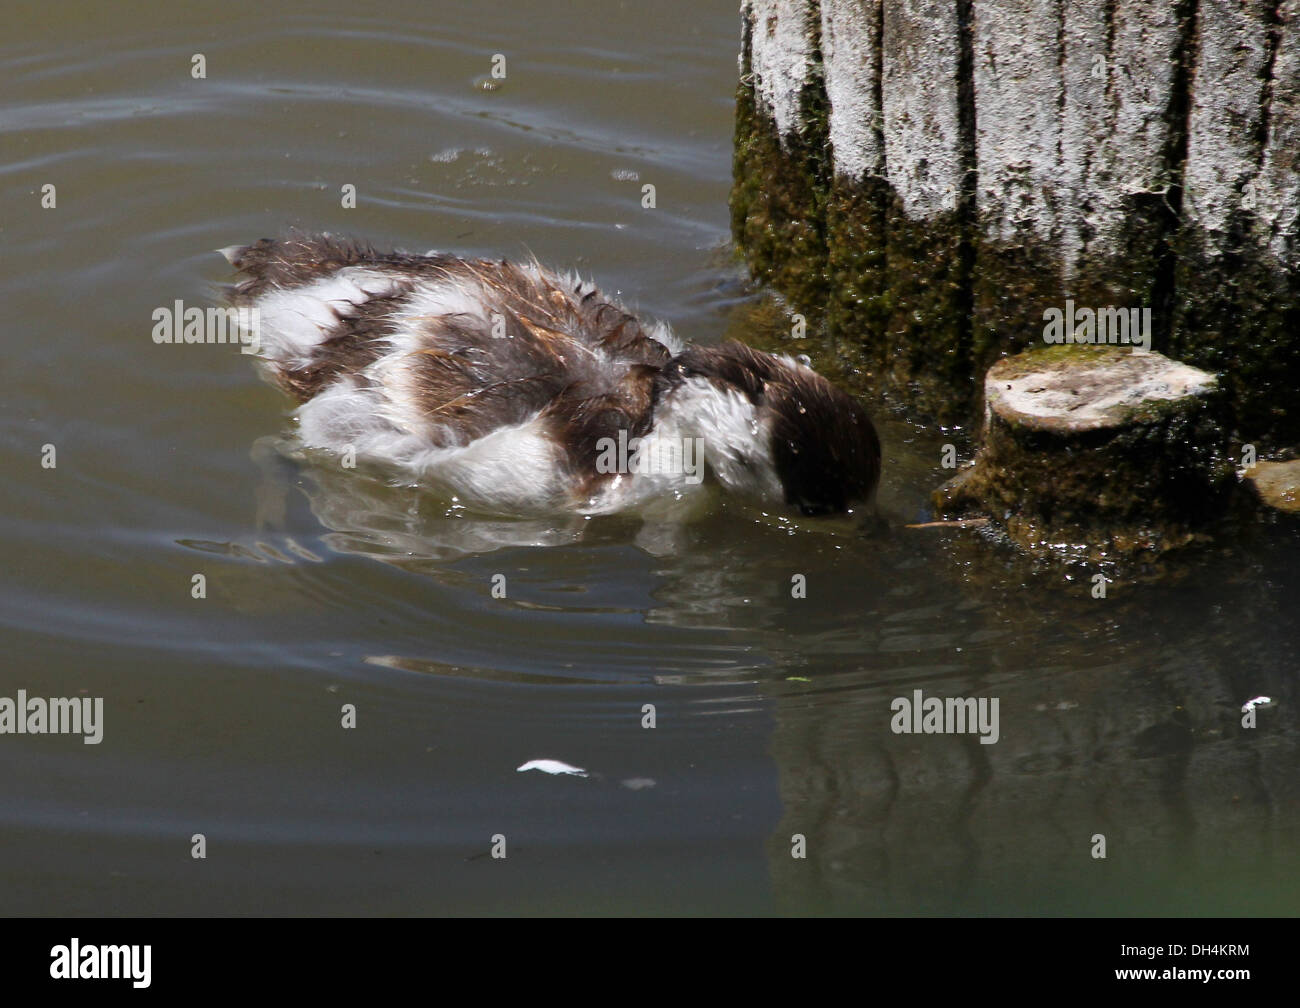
[520, 390]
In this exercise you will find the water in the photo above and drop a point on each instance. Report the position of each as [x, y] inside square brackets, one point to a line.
[326, 588]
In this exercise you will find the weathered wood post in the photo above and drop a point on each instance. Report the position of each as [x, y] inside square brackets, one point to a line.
[926, 179]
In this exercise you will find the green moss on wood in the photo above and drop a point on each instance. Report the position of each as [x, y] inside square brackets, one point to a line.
[1013, 284]
[860, 300]
[1238, 313]
[779, 195]
[927, 341]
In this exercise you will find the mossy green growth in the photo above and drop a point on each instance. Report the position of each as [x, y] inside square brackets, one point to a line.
[859, 298]
[1238, 313]
[779, 192]
[1013, 284]
[1041, 354]
[928, 328]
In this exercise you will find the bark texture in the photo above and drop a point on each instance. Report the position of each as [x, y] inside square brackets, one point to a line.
[925, 179]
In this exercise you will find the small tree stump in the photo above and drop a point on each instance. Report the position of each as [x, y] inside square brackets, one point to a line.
[1098, 451]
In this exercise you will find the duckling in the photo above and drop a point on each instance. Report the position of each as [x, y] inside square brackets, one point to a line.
[520, 390]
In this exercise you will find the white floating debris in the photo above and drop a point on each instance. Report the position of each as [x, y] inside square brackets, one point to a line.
[552, 766]
[1258, 701]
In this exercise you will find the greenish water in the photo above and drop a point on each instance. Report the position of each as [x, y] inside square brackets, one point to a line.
[222, 715]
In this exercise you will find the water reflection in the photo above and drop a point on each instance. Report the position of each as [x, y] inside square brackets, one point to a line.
[1111, 726]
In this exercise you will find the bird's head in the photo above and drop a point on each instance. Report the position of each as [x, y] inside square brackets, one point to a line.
[774, 427]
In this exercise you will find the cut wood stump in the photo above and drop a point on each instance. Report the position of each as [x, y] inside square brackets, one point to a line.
[1097, 451]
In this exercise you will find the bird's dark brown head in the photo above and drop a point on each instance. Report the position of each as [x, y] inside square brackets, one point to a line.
[822, 444]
